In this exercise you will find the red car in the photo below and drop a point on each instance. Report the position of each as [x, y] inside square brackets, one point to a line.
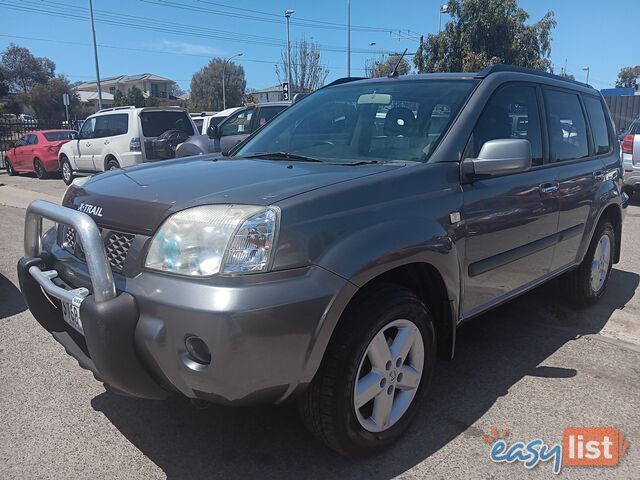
[37, 152]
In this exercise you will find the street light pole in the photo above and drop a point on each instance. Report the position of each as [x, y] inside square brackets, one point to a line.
[95, 54]
[586, 69]
[443, 9]
[348, 38]
[287, 14]
[224, 74]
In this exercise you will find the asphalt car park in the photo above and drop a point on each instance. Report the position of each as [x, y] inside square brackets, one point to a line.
[534, 366]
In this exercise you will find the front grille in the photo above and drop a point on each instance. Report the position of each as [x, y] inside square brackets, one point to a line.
[116, 245]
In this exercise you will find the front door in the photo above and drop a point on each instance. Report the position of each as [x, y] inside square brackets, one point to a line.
[19, 152]
[511, 220]
[83, 148]
[235, 129]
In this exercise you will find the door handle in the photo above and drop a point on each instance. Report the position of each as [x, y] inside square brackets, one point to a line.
[549, 187]
[598, 175]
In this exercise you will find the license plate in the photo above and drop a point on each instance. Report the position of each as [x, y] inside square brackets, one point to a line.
[71, 315]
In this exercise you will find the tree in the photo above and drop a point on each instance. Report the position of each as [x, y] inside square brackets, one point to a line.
[486, 32]
[22, 70]
[206, 85]
[175, 90]
[307, 73]
[383, 67]
[628, 76]
[119, 99]
[46, 100]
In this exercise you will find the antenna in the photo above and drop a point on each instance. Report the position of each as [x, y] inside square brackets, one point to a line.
[394, 72]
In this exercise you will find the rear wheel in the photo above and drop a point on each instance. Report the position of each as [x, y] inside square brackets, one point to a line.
[66, 170]
[374, 373]
[586, 284]
[39, 169]
[10, 170]
[112, 164]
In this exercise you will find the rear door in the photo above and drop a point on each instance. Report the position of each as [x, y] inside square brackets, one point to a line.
[578, 167]
[235, 129]
[511, 220]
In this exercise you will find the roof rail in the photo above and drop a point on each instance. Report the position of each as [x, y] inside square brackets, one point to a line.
[345, 80]
[501, 67]
[111, 109]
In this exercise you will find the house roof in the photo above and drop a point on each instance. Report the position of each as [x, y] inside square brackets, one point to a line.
[123, 79]
[275, 88]
[90, 96]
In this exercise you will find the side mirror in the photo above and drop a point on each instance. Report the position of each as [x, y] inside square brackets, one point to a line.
[212, 132]
[74, 136]
[500, 157]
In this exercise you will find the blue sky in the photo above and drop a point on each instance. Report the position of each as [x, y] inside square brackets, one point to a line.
[175, 38]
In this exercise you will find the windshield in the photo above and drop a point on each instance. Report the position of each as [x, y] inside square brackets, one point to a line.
[156, 122]
[365, 122]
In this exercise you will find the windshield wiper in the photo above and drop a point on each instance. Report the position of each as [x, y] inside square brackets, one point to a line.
[282, 156]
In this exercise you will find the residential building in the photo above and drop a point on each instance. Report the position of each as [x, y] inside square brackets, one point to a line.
[150, 84]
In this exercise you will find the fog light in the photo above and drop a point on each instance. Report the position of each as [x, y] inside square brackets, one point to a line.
[198, 350]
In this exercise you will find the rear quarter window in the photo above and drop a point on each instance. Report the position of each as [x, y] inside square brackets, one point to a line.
[598, 122]
[155, 123]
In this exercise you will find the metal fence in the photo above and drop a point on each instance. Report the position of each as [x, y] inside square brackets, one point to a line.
[623, 109]
[11, 130]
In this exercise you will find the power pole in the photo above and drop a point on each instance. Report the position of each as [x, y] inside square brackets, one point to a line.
[95, 54]
[348, 38]
[288, 14]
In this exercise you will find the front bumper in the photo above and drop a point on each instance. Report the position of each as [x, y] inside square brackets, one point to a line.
[266, 332]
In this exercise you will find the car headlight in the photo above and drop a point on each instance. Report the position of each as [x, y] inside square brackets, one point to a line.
[210, 239]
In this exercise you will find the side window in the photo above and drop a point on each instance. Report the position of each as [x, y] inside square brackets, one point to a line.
[265, 114]
[88, 127]
[238, 124]
[111, 125]
[33, 139]
[23, 141]
[598, 122]
[567, 127]
[635, 128]
[511, 113]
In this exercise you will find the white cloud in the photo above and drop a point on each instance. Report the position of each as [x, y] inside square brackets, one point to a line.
[185, 48]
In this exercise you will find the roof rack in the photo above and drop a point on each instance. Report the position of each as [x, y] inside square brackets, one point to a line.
[512, 68]
[111, 109]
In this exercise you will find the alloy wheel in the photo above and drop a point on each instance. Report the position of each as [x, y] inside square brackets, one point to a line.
[600, 263]
[389, 375]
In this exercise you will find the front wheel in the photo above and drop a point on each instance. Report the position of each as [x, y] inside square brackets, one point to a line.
[374, 373]
[10, 170]
[112, 165]
[586, 284]
[67, 171]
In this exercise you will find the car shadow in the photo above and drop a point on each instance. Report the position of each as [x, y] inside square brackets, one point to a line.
[493, 353]
[11, 302]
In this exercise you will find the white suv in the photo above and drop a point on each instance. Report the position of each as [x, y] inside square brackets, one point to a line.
[124, 136]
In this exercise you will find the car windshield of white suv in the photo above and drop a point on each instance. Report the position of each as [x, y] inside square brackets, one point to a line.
[155, 123]
[371, 122]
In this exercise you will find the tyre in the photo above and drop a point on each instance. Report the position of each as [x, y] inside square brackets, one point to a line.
[112, 165]
[66, 170]
[39, 169]
[587, 283]
[10, 170]
[374, 374]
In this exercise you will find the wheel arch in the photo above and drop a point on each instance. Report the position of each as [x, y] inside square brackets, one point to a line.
[613, 213]
[108, 157]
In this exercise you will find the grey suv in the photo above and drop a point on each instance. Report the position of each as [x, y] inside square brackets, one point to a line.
[332, 257]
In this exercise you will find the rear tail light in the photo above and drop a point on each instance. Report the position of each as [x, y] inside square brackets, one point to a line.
[627, 144]
[135, 145]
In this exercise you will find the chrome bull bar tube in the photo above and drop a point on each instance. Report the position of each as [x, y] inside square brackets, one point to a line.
[87, 231]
